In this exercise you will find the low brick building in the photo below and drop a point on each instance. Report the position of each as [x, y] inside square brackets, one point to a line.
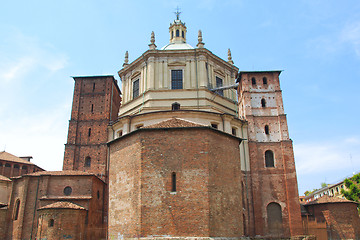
[38, 194]
[13, 166]
[331, 218]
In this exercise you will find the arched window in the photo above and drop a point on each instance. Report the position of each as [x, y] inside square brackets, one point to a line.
[51, 222]
[178, 33]
[87, 161]
[264, 80]
[183, 34]
[263, 102]
[253, 81]
[172, 34]
[173, 182]
[17, 209]
[274, 218]
[269, 158]
[16, 166]
[267, 129]
[7, 165]
[89, 132]
[92, 108]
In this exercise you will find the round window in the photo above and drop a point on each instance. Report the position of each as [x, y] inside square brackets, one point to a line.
[67, 190]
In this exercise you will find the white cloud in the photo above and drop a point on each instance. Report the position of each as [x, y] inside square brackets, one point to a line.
[321, 157]
[22, 54]
[41, 135]
[351, 34]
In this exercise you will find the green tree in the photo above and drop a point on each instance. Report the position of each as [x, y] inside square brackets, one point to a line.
[352, 184]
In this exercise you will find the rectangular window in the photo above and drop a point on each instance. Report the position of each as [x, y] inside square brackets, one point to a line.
[176, 79]
[135, 88]
[219, 83]
[173, 182]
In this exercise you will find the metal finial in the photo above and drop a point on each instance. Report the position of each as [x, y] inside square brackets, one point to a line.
[229, 57]
[200, 42]
[152, 41]
[177, 13]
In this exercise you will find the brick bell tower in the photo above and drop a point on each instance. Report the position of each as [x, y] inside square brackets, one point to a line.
[276, 208]
[96, 102]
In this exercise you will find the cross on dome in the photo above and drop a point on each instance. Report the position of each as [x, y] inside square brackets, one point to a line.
[177, 13]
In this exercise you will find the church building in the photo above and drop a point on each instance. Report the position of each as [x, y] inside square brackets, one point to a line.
[190, 147]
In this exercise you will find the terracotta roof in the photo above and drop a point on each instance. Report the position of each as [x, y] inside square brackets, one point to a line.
[62, 205]
[3, 178]
[326, 199]
[174, 123]
[60, 173]
[12, 158]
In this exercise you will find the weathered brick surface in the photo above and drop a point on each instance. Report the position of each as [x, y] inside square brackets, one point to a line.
[35, 192]
[207, 201]
[96, 102]
[68, 224]
[342, 219]
[276, 184]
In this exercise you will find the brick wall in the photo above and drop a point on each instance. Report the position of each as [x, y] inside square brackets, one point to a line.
[207, 201]
[96, 102]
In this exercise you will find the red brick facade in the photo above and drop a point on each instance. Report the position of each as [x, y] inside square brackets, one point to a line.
[273, 183]
[32, 192]
[96, 102]
[207, 199]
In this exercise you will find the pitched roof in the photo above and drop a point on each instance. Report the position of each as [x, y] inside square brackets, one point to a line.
[60, 173]
[3, 178]
[62, 205]
[174, 123]
[12, 158]
[327, 199]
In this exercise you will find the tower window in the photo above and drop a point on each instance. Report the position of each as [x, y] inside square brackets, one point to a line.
[253, 81]
[264, 80]
[51, 223]
[176, 79]
[87, 161]
[172, 34]
[92, 108]
[269, 158]
[17, 209]
[89, 132]
[177, 33]
[93, 87]
[182, 34]
[263, 102]
[267, 129]
[136, 88]
[173, 182]
[219, 83]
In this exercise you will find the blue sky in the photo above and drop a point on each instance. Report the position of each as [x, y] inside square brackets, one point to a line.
[315, 42]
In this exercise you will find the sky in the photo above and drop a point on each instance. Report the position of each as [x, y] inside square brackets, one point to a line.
[315, 42]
